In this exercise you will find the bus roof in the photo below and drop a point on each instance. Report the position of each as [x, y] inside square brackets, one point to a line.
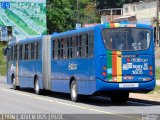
[81, 30]
[70, 32]
[26, 40]
[106, 25]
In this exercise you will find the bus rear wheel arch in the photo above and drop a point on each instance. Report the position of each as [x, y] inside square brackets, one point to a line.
[15, 87]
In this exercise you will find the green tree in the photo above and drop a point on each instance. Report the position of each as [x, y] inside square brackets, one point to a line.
[91, 14]
[60, 16]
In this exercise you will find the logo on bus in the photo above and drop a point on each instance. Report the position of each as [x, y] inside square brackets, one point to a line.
[72, 66]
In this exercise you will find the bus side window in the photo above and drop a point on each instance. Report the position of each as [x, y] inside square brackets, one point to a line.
[55, 49]
[36, 49]
[26, 52]
[91, 44]
[69, 47]
[32, 51]
[15, 52]
[20, 52]
[74, 50]
[23, 52]
[64, 48]
[84, 49]
[59, 48]
[29, 51]
[78, 44]
[12, 53]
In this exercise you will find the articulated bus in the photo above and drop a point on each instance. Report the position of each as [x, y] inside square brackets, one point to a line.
[112, 60]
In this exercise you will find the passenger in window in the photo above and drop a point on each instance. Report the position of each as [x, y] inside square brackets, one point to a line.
[109, 43]
[143, 41]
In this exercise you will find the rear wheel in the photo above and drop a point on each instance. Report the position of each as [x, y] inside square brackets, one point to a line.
[120, 97]
[74, 91]
[37, 87]
[15, 87]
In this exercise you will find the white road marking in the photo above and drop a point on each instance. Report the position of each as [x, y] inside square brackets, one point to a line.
[16, 92]
[67, 104]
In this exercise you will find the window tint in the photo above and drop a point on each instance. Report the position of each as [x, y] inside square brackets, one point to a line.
[126, 39]
[29, 51]
[15, 52]
[26, 52]
[76, 46]
[12, 52]
[36, 50]
[32, 51]
[55, 49]
[91, 44]
[20, 52]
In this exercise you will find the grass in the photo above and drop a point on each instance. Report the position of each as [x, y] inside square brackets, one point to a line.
[156, 91]
[158, 73]
[18, 21]
[2, 60]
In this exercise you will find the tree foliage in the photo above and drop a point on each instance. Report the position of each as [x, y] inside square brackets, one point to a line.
[62, 15]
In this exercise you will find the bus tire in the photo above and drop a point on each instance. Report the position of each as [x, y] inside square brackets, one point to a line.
[120, 97]
[74, 91]
[15, 87]
[37, 87]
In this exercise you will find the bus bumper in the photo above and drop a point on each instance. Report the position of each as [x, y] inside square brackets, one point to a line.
[133, 87]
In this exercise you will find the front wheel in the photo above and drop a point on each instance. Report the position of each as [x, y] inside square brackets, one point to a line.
[120, 97]
[15, 87]
[74, 91]
[37, 87]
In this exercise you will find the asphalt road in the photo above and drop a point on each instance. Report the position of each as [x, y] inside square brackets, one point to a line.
[25, 101]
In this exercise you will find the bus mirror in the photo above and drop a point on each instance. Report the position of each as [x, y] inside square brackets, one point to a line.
[5, 51]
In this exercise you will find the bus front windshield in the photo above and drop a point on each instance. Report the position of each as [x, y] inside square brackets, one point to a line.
[126, 39]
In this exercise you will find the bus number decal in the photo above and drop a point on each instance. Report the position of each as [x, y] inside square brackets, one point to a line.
[72, 66]
[137, 72]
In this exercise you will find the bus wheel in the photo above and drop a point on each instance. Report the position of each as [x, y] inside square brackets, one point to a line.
[15, 87]
[120, 97]
[74, 91]
[37, 87]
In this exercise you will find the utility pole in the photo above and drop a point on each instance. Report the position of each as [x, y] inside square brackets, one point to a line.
[78, 12]
[78, 24]
[157, 25]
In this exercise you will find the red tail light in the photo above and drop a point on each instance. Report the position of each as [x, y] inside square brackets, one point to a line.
[151, 72]
[104, 74]
[128, 60]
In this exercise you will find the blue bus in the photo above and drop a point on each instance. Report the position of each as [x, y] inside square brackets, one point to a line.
[112, 59]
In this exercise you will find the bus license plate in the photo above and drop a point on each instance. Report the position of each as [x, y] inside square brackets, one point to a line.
[128, 85]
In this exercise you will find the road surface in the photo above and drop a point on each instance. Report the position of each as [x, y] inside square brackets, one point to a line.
[25, 101]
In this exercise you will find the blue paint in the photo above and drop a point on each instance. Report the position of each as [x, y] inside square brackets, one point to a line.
[88, 73]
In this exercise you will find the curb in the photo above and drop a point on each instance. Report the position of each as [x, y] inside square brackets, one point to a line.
[145, 98]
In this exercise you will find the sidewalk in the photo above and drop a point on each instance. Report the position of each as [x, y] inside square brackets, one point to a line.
[158, 82]
[149, 98]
